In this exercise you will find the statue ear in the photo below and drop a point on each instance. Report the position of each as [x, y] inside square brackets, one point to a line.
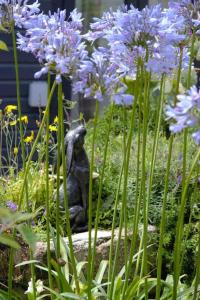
[70, 151]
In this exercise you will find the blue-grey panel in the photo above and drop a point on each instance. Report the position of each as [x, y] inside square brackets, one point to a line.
[26, 72]
[23, 58]
[8, 89]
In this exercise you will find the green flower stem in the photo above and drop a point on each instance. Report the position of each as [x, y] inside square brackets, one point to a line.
[179, 228]
[177, 264]
[153, 160]
[124, 195]
[163, 220]
[89, 278]
[64, 169]
[125, 206]
[22, 137]
[58, 174]
[100, 188]
[110, 260]
[137, 203]
[164, 203]
[47, 193]
[143, 179]
[18, 93]
[156, 138]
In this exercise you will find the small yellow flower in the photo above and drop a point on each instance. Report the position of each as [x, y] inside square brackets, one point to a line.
[15, 151]
[24, 119]
[52, 128]
[9, 108]
[29, 138]
[55, 120]
[13, 123]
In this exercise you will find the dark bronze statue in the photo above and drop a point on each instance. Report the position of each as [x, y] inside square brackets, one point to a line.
[77, 179]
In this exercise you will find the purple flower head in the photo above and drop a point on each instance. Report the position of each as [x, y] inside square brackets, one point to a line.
[152, 35]
[186, 113]
[98, 78]
[11, 205]
[17, 11]
[188, 10]
[56, 43]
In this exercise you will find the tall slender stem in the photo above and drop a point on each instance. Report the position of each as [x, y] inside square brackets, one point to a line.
[179, 231]
[100, 187]
[163, 220]
[138, 203]
[143, 180]
[18, 94]
[58, 173]
[64, 168]
[124, 195]
[110, 260]
[163, 214]
[89, 275]
[47, 193]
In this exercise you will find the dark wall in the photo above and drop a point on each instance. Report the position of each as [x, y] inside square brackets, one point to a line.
[27, 67]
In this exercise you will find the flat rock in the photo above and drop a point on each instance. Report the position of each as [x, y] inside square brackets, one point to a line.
[80, 245]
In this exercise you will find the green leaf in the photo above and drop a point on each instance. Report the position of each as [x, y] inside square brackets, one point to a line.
[79, 269]
[28, 235]
[61, 278]
[63, 253]
[8, 241]
[101, 271]
[3, 46]
[70, 296]
[27, 262]
[54, 273]
[117, 288]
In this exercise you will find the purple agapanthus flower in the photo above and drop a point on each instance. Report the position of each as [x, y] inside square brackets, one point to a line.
[56, 42]
[98, 78]
[186, 113]
[187, 9]
[11, 205]
[152, 35]
[18, 11]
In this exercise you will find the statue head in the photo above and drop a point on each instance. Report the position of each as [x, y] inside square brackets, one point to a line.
[74, 141]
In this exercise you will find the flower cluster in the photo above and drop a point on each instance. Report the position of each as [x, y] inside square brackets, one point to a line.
[98, 78]
[155, 37]
[18, 12]
[188, 10]
[56, 43]
[186, 113]
[153, 34]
